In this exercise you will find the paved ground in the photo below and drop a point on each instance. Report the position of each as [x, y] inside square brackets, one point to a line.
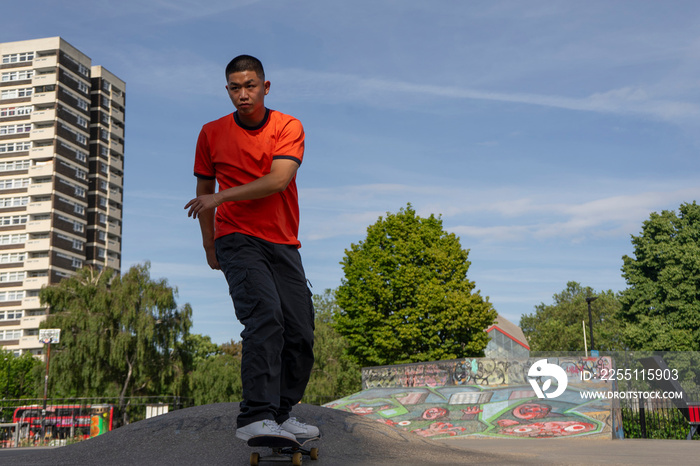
[204, 436]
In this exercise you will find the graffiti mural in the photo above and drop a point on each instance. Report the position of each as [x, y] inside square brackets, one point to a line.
[484, 397]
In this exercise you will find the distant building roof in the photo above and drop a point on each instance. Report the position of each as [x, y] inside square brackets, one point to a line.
[510, 330]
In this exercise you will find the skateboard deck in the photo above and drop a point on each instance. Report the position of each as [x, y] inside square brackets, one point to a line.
[284, 450]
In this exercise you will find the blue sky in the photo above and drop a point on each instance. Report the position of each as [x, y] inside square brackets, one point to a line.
[543, 132]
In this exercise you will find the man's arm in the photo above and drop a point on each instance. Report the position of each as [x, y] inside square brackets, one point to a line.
[206, 222]
[281, 173]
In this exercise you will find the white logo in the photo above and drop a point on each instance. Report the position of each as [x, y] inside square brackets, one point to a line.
[541, 369]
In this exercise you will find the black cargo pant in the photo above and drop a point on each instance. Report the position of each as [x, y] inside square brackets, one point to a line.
[273, 302]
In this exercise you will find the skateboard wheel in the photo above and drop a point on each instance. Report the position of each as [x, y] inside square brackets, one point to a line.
[313, 454]
[254, 459]
[296, 459]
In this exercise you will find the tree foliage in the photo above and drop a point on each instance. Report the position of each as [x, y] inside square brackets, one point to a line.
[334, 374]
[660, 305]
[120, 335]
[559, 326]
[216, 377]
[405, 296]
[19, 375]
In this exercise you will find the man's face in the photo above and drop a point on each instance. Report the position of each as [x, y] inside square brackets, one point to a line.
[247, 92]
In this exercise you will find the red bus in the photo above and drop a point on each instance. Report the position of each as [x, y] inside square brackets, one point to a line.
[64, 421]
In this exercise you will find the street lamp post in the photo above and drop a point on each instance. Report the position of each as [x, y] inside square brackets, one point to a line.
[590, 318]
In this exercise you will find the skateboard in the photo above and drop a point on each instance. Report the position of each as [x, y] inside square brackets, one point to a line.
[284, 450]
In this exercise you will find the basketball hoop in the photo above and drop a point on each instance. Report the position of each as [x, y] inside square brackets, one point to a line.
[49, 336]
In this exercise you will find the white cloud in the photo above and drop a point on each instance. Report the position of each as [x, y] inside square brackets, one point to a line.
[498, 217]
[632, 100]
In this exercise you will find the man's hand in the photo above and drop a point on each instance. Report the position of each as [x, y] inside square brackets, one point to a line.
[211, 258]
[201, 204]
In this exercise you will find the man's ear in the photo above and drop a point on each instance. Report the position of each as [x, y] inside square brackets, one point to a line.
[267, 87]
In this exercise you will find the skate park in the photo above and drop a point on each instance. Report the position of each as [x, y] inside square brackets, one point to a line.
[204, 435]
[439, 413]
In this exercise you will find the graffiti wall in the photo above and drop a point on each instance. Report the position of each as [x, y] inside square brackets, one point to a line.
[489, 397]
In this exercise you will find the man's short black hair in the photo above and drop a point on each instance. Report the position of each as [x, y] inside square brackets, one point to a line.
[245, 63]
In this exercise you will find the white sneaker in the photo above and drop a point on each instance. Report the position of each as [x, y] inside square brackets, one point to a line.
[299, 429]
[266, 428]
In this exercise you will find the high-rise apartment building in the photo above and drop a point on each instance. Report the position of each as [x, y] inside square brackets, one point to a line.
[61, 177]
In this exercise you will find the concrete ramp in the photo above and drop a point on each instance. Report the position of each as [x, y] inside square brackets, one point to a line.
[487, 397]
[204, 435]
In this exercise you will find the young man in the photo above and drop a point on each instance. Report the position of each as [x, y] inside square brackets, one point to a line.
[249, 231]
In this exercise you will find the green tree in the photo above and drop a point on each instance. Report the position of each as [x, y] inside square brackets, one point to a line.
[120, 335]
[217, 379]
[334, 374]
[660, 305]
[18, 375]
[405, 296]
[559, 326]
[200, 348]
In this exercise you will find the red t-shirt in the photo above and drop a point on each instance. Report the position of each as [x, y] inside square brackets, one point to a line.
[235, 154]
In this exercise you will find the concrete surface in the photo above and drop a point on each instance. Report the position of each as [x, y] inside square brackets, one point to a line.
[204, 435]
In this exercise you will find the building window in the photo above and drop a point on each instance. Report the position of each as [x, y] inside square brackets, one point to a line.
[14, 220]
[11, 315]
[13, 165]
[11, 296]
[16, 93]
[11, 277]
[13, 239]
[14, 183]
[15, 129]
[17, 75]
[7, 335]
[12, 258]
[14, 201]
[15, 111]
[15, 147]
[17, 57]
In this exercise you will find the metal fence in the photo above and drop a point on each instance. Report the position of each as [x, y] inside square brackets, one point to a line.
[655, 419]
[62, 421]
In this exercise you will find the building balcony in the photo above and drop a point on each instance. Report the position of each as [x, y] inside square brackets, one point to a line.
[116, 162]
[115, 195]
[42, 170]
[35, 283]
[115, 113]
[42, 152]
[114, 229]
[36, 263]
[114, 246]
[38, 189]
[113, 263]
[47, 62]
[31, 302]
[117, 131]
[43, 115]
[115, 213]
[30, 342]
[41, 134]
[36, 226]
[116, 179]
[34, 245]
[39, 207]
[44, 97]
[116, 147]
[43, 80]
[31, 322]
